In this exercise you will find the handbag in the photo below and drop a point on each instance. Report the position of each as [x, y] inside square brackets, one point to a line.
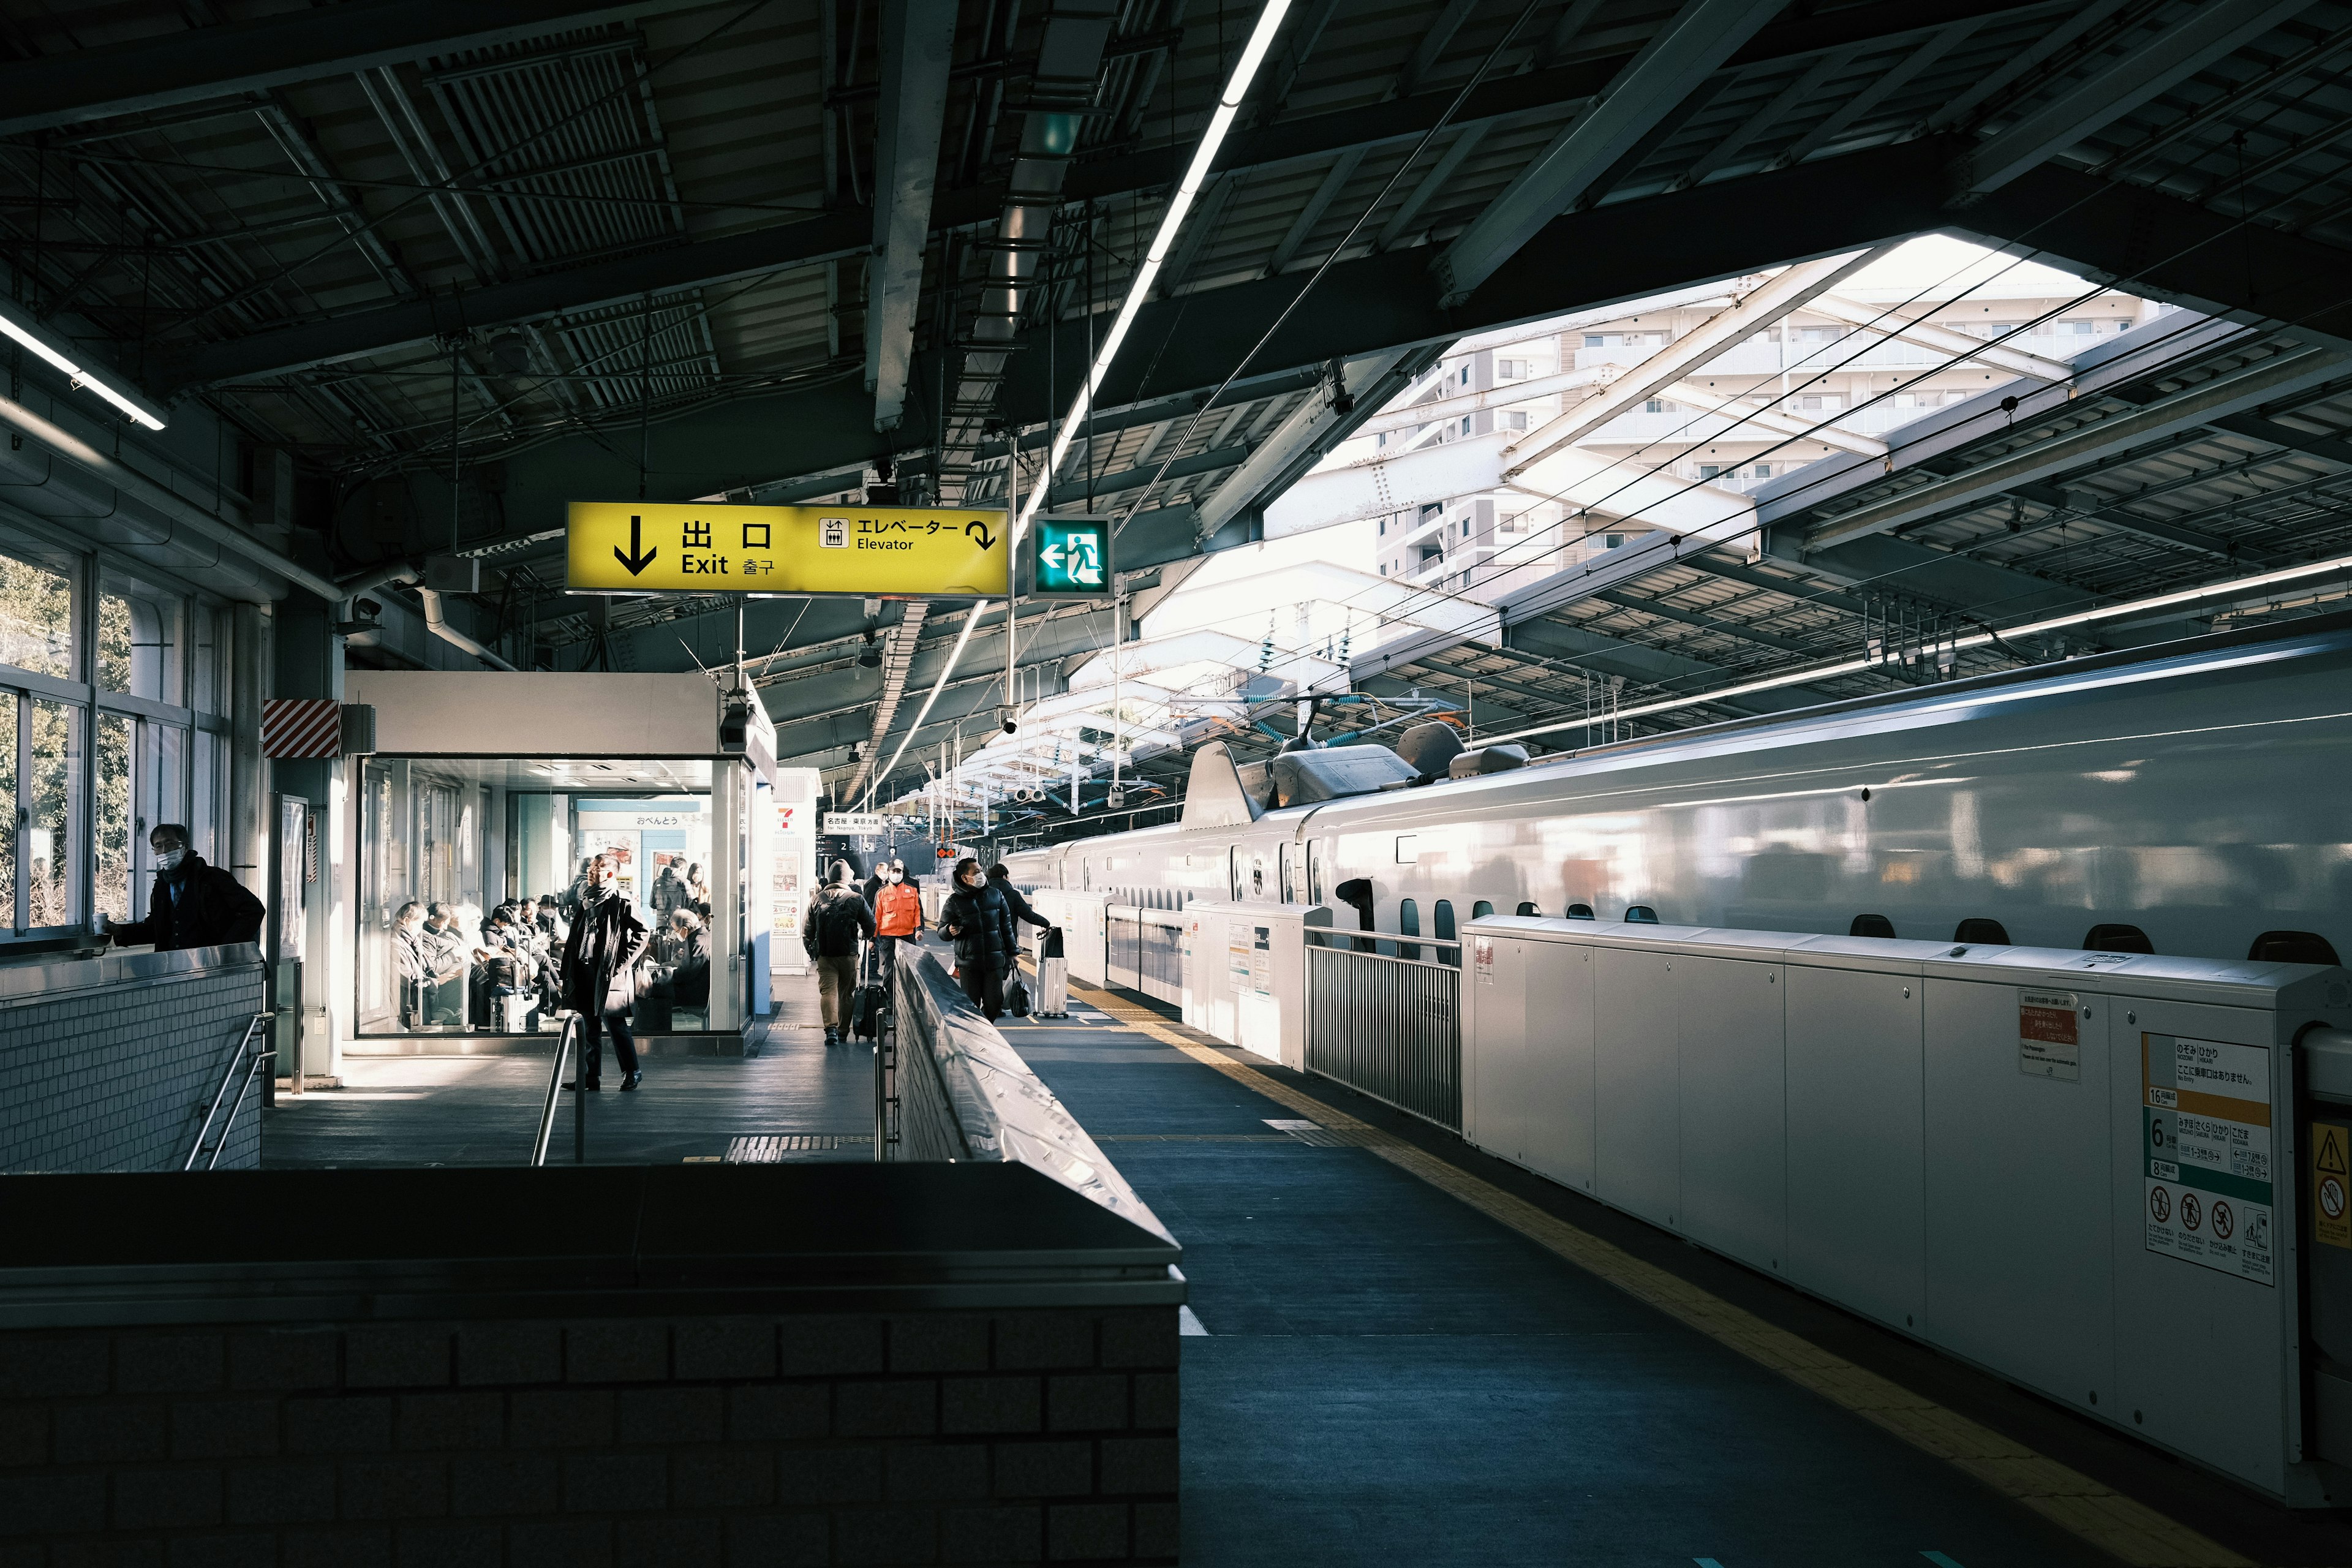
[1016, 996]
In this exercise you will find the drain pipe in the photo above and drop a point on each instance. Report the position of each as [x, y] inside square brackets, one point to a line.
[453, 636]
[431, 599]
[175, 508]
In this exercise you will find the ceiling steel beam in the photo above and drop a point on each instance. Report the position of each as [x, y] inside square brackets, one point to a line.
[2202, 404]
[199, 63]
[353, 333]
[2172, 54]
[1653, 85]
[917, 44]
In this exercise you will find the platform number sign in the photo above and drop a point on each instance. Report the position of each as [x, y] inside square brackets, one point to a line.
[1071, 558]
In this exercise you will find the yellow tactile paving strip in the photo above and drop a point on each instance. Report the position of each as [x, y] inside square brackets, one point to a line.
[2125, 1528]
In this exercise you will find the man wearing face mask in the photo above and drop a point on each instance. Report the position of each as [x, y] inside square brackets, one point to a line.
[600, 966]
[193, 904]
[897, 917]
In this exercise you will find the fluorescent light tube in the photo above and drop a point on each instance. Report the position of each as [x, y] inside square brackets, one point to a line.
[1139, 289]
[17, 324]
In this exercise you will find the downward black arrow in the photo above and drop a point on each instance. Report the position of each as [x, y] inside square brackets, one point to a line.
[636, 562]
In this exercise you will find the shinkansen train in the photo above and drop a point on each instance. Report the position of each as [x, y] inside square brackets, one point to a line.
[2192, 799]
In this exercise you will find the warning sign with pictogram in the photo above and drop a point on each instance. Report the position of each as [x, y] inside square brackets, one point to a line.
[2205, 1129]
[2331, 1214]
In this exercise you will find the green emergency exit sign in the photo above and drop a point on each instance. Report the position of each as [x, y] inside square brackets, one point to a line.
[1070, 557]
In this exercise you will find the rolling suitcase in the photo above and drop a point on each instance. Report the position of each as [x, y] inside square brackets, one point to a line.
[1053, 977]
[866, 1016]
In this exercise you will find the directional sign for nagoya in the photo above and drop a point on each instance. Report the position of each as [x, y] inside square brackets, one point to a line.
[1073, 558]
[864, 551]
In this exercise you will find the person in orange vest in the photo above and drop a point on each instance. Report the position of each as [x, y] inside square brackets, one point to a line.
[898, 916]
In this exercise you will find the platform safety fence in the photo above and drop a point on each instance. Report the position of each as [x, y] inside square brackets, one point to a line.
[1384, 1017]
[1147, 950]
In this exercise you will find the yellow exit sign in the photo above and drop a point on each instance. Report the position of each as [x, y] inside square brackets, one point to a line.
[864, 551]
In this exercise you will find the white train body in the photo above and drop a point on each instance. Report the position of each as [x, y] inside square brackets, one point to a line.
[2197, 791]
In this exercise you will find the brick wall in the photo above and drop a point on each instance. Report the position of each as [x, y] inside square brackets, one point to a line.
[984, 1436]
[111, 1075]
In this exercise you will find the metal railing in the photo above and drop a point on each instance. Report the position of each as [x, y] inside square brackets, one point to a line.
[243, 1056]
[567, 1047]
[889, 1110]
[1383, 1017]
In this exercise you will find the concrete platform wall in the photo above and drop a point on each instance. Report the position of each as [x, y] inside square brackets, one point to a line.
[968, 1436]
[106, 1063]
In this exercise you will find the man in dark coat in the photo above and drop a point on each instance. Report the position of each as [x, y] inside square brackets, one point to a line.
[1001, 881]
[193, 904]
[600, 963]
[978, 919]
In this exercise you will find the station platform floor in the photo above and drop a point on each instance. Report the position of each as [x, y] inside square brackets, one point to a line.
[1407, 1351]
[788, 1097]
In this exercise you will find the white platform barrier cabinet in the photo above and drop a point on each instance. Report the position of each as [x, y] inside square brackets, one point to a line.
[2077, 1170]
[1245, 974]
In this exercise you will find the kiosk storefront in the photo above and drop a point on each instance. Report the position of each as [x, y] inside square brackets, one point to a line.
[492, 789]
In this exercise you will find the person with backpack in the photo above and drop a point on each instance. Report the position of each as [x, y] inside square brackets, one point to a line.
[979, 920]
[836, 919]
[1002, 879]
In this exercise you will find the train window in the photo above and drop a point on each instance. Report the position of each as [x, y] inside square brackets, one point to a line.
[2292, 947]
[2117, 938]
[1282, 856]
[1529, 909]
[1977, 928]
[1579, 911]
[1444, 913]
[1234, 869]
[1481, 910]
[1641, 915]
[1314, 874]
[1870, 925]
[1409, 924]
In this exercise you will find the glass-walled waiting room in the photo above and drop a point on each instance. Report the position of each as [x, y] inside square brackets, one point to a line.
[470, 877]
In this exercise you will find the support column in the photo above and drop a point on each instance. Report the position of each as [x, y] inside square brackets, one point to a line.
[308, 661]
